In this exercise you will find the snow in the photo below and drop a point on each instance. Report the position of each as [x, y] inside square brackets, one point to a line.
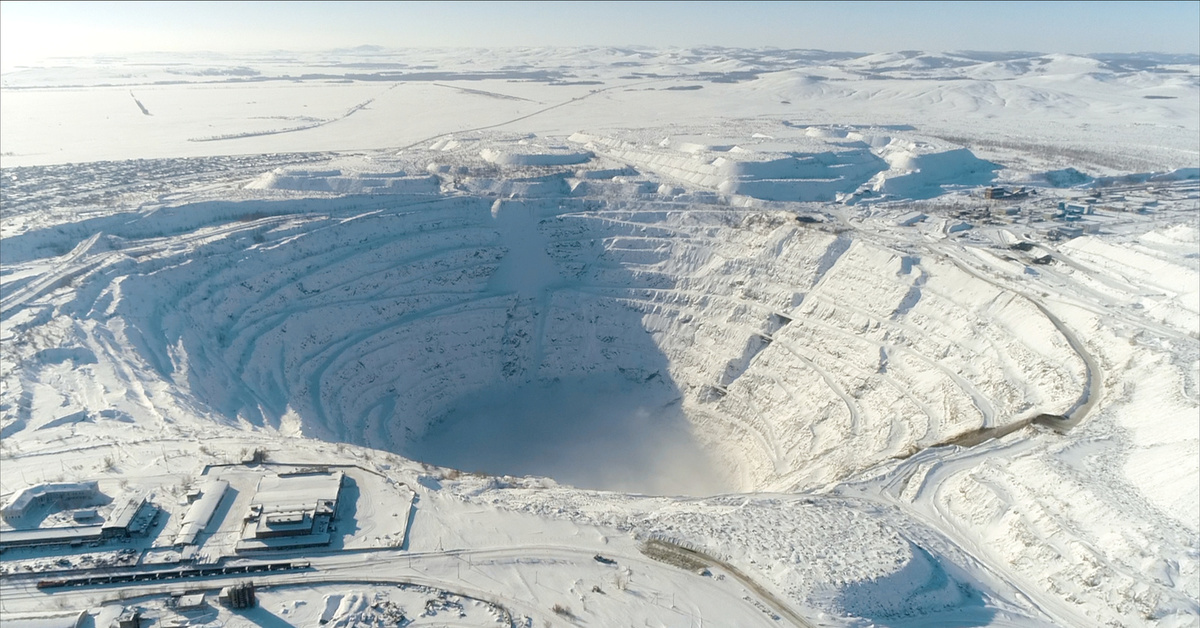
[544, 307]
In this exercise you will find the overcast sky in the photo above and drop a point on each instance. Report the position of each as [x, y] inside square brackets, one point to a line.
[31, 30]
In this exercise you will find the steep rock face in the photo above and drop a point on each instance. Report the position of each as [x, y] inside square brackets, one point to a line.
[791, 355]
[816, 353]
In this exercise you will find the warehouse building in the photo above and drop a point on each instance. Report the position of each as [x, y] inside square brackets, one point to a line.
[62, 496]
[291, 511]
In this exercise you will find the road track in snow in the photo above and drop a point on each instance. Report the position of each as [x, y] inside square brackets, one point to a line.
[1093, 386]
[777, 605]
[387, 567]
[526, 116]
[984, 445]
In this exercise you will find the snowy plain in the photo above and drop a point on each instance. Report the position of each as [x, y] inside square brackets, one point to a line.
[745, 305]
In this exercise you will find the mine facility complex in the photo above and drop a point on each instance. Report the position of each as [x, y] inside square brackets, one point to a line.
[132, 516]
[233, 511]
[1046, 215]
[291, 511]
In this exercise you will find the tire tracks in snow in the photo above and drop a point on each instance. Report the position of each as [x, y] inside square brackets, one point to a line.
[776, 604]
[526, 116]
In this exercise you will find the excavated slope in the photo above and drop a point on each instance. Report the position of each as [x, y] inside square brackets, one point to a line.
[639, 345]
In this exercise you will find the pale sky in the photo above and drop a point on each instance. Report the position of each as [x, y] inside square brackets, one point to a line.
[32, 30]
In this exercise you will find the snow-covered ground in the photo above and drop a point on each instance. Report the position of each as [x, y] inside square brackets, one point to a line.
[616, 337]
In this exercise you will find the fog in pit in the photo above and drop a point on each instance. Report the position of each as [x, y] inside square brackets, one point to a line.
[602, 432]
[606, 432]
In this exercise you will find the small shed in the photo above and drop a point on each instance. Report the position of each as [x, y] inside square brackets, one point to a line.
[130, 618]
[191, 602]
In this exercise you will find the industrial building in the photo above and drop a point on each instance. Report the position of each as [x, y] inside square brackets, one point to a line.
[1074, 211]
[61, 496]
[72, 619]
[201, 511]
[133, 516]
[291, 510]
[238, 596]
[71, 535]
[999, 193]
